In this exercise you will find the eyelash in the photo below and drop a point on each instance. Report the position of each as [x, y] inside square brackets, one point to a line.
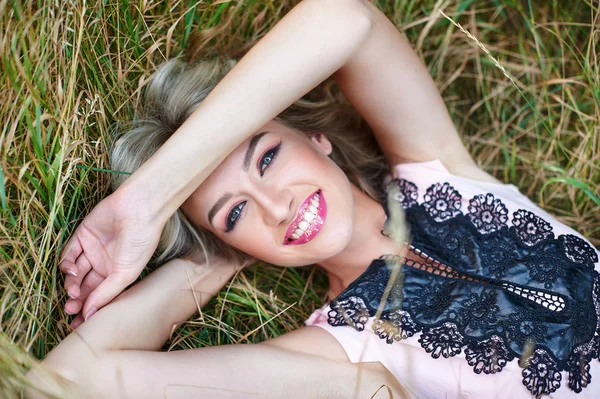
[272, 154]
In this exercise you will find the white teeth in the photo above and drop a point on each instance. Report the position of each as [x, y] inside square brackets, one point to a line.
[309, 217]
[303, 225]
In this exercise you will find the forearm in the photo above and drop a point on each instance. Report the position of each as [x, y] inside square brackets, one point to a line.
[309, 44]
[142, 317]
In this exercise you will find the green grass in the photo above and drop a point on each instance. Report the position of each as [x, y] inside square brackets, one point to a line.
[69, 71]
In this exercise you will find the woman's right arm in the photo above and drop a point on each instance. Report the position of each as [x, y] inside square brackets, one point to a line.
[314, 40]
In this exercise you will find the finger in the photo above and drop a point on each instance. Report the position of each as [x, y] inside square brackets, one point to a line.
[77, 321]
[90, 282]
[106, 292]
[73, 282]
[73, 306]
[72, 285]
[69, 255]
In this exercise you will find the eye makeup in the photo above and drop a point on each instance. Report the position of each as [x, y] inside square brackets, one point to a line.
[233, 216]
[267, 158]
[264, 162]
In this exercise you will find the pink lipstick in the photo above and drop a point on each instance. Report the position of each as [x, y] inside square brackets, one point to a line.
[309, 220]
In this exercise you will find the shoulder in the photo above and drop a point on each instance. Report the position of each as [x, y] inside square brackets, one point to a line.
[467, 169]
[471, 171]
[318, 342]
[311, 340]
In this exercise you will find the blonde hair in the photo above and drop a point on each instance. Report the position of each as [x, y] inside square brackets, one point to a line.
[175, 91]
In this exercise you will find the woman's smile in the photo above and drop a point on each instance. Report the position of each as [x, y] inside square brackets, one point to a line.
[309, 220]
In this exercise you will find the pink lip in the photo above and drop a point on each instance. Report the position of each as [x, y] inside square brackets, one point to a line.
[315, 225]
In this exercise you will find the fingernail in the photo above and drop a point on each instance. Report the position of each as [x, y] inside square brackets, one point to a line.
[72, 273]
[72, 296]
[90, 313]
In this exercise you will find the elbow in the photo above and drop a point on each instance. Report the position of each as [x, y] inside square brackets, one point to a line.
[47, 381]
[351, 19]
[358, 6]
[356, 13]
[61, 376]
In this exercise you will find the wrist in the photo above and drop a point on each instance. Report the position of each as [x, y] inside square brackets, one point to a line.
[193, 285]
[139, 196]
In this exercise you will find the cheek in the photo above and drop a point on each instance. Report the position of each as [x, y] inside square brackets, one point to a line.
[257, 247]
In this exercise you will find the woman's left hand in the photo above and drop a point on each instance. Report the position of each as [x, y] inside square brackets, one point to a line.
[106, 253]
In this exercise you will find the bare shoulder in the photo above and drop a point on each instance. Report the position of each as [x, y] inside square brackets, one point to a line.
[318, 342]
[310, 340]
[470, 170]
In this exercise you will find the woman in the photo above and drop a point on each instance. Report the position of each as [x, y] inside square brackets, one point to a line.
[494, 297]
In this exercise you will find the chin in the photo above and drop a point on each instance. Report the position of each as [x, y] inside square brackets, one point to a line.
[338, 245]
[332, 241]
[327, 247]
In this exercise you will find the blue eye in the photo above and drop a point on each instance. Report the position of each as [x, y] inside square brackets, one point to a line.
[265, 161]
[268, 158]
[233, 216]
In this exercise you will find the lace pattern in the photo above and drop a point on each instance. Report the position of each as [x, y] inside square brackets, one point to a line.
[496, 291]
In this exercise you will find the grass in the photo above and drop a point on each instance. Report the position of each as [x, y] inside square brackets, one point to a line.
[70, 70]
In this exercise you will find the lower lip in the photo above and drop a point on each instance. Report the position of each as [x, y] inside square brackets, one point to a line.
[315, 225]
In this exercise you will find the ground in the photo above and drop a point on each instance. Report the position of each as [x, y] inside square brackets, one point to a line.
[521, 81]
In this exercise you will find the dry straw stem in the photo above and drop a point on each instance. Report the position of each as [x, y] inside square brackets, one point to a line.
[70, 70]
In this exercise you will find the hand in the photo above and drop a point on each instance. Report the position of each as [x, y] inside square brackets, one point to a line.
[106, 253]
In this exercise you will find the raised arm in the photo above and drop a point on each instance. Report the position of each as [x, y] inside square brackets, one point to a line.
[392, 89]
[116, 240]
[349, 39]
[314, 40]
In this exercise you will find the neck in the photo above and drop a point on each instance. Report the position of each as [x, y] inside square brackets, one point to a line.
[366, 243]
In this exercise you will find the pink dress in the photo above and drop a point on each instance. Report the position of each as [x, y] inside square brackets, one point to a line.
[512, 312]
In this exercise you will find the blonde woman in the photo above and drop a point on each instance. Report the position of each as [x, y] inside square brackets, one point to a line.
[492, 298]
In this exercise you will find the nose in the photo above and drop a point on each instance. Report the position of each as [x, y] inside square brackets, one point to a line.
[276, 204]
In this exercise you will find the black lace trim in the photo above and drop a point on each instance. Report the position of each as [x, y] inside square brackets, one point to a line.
[496, 292]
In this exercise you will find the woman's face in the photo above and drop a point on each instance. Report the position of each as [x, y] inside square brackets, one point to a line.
[277, 197]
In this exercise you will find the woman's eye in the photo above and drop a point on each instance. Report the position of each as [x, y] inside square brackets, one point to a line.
[265, 161]
[268, 157]
[233, 216]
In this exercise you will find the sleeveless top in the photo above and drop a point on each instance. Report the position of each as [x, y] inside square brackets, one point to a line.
[505, 303]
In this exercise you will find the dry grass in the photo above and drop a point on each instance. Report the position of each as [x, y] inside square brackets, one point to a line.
[69, 70]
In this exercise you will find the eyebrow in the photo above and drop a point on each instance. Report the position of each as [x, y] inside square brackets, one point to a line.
[218, 205]
[246, 165]
[251, 148]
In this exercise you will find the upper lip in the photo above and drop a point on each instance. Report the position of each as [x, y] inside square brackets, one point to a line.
[298, 218]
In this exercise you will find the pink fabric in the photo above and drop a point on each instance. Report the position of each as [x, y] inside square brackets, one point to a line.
[421, 375]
